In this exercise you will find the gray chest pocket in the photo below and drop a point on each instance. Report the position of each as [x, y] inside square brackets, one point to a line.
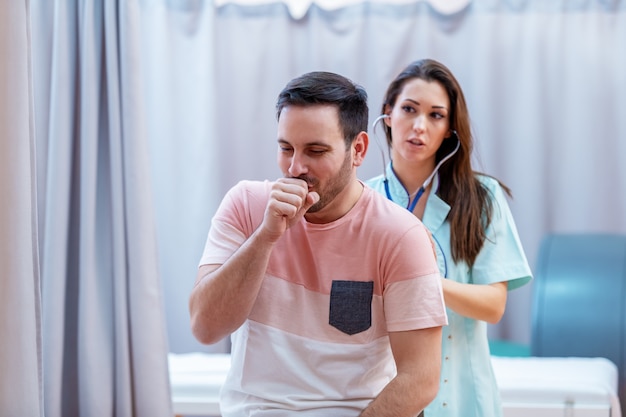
[351, 306]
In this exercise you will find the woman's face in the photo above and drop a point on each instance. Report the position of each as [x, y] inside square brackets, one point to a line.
[419, 121]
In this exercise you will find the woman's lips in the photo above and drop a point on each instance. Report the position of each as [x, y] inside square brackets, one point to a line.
[416, 142]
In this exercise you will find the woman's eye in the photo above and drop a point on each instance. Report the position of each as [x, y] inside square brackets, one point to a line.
[408, 109]
[437, 116]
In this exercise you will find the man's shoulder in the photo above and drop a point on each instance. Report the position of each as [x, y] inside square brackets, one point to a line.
[253, 185]
[375, 182]
[247, 196]
[247, 188]
[388, 212]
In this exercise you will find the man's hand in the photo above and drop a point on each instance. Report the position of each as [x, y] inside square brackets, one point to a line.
[289, 201]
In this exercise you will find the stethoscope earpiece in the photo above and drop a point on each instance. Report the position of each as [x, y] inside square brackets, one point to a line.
[377, 139]
[378, 119]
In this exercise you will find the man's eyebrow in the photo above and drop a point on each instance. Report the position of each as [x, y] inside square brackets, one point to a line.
[313, 143]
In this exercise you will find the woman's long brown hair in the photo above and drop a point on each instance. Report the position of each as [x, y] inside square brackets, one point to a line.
[471, 205]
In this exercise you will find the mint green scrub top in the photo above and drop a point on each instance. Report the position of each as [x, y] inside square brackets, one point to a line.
[468, 387]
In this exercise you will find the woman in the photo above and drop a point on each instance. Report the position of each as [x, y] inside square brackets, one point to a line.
[427, 126]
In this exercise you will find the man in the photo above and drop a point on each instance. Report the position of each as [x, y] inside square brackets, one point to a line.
[331, 292]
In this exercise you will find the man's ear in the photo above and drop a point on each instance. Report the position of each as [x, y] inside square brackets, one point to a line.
[359, 148]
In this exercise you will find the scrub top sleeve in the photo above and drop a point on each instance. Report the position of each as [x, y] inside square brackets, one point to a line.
[502, 257]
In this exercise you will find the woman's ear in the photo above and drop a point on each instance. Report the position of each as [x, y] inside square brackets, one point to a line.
[387, 112]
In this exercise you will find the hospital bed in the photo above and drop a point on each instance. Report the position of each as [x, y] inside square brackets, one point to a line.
[529, 386]
[196, 379]
[575, 366]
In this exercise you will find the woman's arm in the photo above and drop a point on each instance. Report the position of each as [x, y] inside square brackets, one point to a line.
[481, 302]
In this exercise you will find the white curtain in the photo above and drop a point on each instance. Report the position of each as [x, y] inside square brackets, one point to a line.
[20, 319]
[104, 330]
[545, 81]
[82, 325]
[178, 50]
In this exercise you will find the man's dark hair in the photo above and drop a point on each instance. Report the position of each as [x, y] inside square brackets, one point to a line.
[327, 88]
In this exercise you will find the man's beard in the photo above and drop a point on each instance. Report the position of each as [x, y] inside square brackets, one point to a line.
[335, 185]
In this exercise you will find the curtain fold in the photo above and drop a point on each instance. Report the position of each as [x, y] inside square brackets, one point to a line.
[179, 41]
[105, 346]
[299, 8]
[20, 318]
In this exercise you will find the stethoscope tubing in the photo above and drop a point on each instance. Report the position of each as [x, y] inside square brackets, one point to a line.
[411, 204]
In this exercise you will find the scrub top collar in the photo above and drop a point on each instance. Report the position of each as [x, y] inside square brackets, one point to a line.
[436, 210]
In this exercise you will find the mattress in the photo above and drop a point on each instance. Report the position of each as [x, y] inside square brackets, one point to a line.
[195, 381]
[529, 386]
[563, 387]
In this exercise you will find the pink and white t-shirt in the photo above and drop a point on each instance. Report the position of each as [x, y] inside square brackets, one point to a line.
[316, 341]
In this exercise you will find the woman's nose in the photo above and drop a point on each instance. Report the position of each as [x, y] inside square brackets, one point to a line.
[419, 123]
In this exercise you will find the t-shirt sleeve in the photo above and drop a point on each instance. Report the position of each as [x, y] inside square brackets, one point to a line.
[413, 297]
[236, 218]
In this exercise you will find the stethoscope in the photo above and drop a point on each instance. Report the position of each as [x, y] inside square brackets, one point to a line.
[411, 204]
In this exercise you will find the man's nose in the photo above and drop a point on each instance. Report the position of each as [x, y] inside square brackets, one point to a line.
[298, 165]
